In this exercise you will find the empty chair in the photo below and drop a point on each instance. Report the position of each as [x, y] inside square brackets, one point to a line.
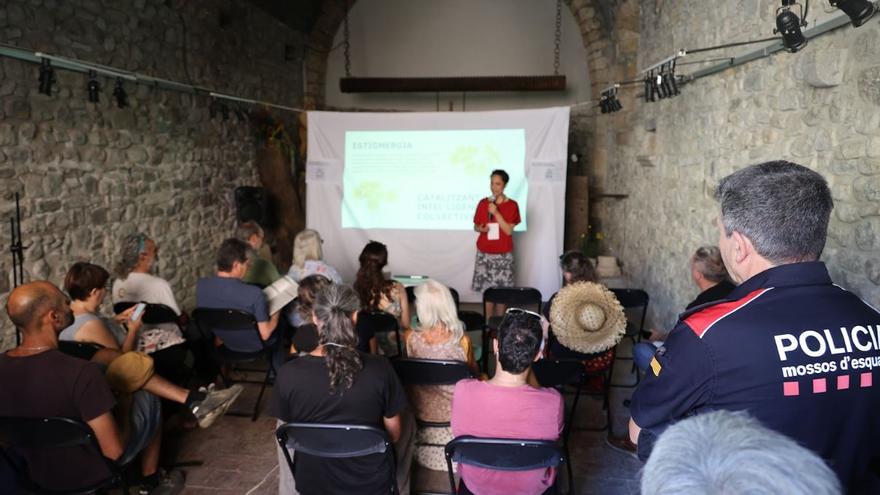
[635, 302]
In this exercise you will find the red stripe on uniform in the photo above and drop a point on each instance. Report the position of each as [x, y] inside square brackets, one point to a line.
[701, 321]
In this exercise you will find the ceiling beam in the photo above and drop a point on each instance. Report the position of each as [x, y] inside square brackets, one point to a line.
[450, 84]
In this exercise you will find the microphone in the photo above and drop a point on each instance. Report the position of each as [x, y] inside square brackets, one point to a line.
[491, 200]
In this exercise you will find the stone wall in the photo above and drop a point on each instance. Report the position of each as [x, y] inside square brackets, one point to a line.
[91, 173]
[819, 107]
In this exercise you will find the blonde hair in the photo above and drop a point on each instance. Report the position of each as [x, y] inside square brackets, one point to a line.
[435, 306]
[307, 246]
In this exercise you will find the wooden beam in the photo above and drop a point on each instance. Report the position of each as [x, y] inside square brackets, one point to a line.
[450, 84]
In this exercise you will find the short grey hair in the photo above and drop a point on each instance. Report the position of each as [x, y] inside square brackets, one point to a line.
[707, 260]
[782, 207]
[731, 453]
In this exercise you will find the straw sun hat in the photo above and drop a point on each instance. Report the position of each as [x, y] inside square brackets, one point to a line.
[586, 317]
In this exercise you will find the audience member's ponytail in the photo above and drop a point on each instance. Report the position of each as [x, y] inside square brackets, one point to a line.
[370, 284]
[334, 309]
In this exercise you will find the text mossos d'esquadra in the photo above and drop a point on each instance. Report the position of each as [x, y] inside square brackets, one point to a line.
[827, 343]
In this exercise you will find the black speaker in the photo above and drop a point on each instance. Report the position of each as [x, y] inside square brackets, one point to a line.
[253, 204]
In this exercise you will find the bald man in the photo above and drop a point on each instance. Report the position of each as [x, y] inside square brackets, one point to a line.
[37, 380]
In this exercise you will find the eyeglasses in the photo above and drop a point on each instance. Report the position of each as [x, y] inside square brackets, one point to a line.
[520, 311]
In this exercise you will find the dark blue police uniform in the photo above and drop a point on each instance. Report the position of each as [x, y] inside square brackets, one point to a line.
[794, 350]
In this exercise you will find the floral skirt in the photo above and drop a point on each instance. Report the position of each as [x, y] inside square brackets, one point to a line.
[492, 270]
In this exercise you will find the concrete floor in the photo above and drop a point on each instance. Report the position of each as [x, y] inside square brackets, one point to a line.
[238, 456]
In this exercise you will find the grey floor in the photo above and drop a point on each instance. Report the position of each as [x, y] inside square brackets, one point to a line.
[237, 455]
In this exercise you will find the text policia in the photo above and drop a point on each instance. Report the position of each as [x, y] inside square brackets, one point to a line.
[816, 344]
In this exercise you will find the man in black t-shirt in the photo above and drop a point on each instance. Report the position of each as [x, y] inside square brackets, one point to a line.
[37, 380]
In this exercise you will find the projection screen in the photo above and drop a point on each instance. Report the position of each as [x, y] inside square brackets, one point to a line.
[413, 180]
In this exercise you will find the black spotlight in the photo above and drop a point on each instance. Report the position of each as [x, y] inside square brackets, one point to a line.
[859, 11]
[93, 87]
[47, 77]
[119, 94]
[789, 25]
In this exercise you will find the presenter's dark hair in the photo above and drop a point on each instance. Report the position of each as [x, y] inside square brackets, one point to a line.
[369, 283]
[230, 251]
[500, 173]
[782, 207]
[519, 339]
[84, 277]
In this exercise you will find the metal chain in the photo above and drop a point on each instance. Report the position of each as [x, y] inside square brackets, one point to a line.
[558, 38]
[347, 42]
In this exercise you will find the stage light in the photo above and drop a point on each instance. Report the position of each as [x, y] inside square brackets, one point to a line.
[859, 11]
[119, 94]
[47, 77]
[93, 87]
[609, 103]
[789, 25]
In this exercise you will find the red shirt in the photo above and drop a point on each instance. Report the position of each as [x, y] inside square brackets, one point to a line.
[510, 211]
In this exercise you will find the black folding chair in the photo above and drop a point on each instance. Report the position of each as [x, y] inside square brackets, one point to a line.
[501, 454]
[370, 323]
[82, 350]
[633, 301]
[335, 442]
[232, 323]
[520, 297]
[46, 434]
[558, 373]
[153, 313]
[431, 372]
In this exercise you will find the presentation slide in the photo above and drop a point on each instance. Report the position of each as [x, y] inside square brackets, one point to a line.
[428, 179]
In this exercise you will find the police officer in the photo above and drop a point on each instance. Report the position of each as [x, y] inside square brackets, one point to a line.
[787, 345]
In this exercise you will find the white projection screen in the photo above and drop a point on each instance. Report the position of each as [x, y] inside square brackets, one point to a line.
[412, 181]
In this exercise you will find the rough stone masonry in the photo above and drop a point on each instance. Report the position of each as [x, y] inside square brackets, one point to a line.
[89, 174]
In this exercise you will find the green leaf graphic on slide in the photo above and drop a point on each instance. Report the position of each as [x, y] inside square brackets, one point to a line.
[373, 194]
[476, 160]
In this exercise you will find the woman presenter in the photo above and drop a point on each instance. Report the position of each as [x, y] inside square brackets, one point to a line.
[495, 218]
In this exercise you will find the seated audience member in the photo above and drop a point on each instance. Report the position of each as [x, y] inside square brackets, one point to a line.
[308, 258]
[440, 335]
[575, 268]
[732, 453]
[37, 380]
[262, 271]
[226, 290]
[135, 283]
[506, 406]
[305, 336]
[379, 294]
[86, 284]
[336, 383]
[749, 351]
[710, 275]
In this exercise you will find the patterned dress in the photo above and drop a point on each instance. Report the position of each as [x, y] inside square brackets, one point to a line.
[433, 402]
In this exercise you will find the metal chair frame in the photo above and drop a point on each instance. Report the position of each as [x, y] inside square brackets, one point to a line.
[329, 443]
[35, 433]
[502, 454]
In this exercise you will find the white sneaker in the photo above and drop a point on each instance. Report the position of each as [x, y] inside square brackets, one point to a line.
[215, 404]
